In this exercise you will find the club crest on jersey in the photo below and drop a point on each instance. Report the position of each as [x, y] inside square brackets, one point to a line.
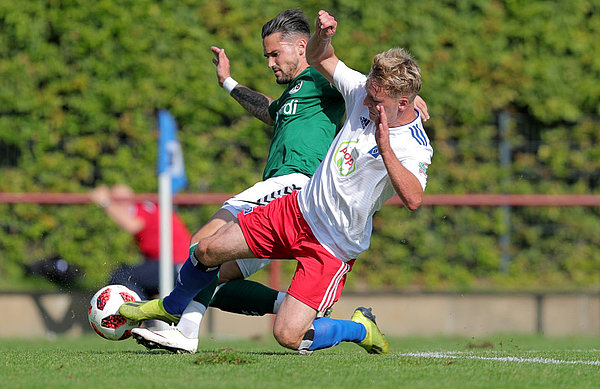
[345, 157]
[364, 122]
[296, 87]
[374, 152]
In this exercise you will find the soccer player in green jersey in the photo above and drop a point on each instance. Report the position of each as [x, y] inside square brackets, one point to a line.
[306, 117]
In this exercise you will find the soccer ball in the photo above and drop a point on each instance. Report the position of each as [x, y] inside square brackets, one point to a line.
[103, 312]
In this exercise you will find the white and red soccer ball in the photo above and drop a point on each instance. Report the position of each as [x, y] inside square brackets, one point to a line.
[103, 312]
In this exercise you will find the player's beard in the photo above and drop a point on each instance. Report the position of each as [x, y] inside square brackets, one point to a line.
[287, 74]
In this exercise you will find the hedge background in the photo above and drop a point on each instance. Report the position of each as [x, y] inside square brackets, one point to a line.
[82, 78]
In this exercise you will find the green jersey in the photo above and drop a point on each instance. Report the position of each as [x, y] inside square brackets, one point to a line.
[307, 117]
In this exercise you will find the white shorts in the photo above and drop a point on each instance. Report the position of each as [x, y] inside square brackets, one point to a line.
[262, 193]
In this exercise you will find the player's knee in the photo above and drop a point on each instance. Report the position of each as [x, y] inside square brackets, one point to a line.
[287, 337]
[205, 254]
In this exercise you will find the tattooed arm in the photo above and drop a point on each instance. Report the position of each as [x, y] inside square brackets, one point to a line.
[254, 102]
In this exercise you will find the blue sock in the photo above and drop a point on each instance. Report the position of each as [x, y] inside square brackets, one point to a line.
[330, 332]
[190, 281]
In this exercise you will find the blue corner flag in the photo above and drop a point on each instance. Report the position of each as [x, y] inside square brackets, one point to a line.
[170, 155]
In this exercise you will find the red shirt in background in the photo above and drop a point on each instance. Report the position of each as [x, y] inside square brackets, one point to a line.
[149, 237]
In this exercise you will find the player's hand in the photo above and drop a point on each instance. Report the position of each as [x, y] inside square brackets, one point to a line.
[421, 106]
[222, 63]
[382, 133]
[100, 195]
[326, 25]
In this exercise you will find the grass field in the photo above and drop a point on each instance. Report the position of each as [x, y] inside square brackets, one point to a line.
[435, 362]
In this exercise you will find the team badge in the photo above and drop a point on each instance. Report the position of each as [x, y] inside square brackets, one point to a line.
[296, 87]
[374, 152]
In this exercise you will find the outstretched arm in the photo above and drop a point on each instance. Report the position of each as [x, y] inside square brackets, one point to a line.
[254, 102]
[116, 210]
[319, 52]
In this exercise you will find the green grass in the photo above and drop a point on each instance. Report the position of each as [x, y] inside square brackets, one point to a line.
[90, 361]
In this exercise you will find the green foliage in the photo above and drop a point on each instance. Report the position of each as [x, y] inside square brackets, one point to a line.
[82, 81]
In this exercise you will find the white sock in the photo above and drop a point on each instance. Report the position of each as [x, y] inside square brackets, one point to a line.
[191, 318]
[277, 303]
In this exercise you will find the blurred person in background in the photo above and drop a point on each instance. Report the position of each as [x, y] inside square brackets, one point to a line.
[141, 220]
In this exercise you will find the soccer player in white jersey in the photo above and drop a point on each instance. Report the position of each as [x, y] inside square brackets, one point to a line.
[381, 151]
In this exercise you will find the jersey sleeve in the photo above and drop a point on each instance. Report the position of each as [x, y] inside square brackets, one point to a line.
[418, 167]
[415, 157]
[348, 81]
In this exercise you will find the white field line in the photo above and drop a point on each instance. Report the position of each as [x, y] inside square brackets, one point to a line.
[459, 355]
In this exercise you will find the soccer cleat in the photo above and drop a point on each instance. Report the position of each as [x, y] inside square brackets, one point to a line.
[147, 310]
[170, 339]
[374, 342]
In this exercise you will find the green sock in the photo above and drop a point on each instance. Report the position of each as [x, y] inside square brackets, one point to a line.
[245, 297]
[204, 296]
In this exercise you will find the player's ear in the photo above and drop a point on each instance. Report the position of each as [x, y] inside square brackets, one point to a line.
[301, 47]
[403, 103]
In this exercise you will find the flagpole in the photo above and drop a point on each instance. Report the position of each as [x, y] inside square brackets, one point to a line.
[165, 206]
[171, 179]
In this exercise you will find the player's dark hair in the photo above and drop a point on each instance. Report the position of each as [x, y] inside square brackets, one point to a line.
[288, 22]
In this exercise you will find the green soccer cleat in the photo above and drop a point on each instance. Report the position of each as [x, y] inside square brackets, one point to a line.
[147, 310]
[374, 342]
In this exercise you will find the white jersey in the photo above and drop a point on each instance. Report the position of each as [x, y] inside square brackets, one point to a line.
[352, 183]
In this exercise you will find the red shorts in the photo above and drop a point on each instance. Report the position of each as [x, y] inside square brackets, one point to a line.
[279, 231]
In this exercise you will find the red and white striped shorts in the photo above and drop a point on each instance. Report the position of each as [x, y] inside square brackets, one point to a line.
[279, 231]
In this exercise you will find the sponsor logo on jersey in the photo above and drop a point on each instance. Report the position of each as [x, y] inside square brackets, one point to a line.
[289, 108]
[296, 87]
[423, 168]
[345, 157]
[364, 122]
[374, 152]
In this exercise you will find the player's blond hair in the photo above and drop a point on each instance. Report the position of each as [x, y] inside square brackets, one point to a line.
[397, 73]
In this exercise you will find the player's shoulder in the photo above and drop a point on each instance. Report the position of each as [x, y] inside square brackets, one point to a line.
[317, 78]
[413, 133]
[311, 83]
[314, 74]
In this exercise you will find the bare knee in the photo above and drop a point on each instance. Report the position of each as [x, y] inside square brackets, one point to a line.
[288, 337]
[293, 320]
[205, 254]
